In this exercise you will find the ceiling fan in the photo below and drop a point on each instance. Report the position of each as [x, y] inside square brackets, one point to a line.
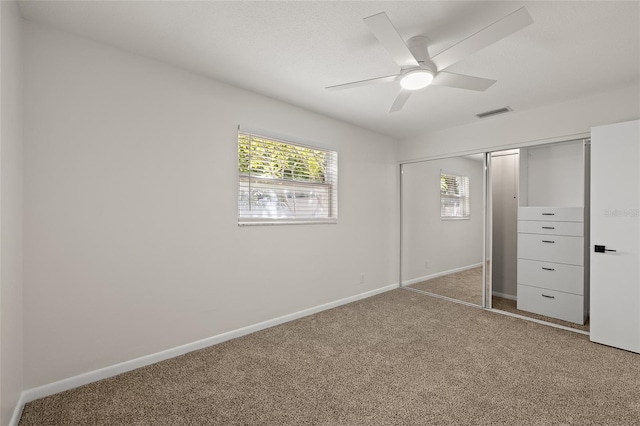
[418, 70]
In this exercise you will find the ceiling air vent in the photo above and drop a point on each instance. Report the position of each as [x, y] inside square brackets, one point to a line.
[494, 112]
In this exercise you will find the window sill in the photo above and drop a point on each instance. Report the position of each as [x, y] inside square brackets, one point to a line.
[261, 222]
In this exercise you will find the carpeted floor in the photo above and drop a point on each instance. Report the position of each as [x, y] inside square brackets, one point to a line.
[399, 358]
[463, 285]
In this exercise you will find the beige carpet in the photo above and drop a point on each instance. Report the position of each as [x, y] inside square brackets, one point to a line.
[463, 285]
[399, 358]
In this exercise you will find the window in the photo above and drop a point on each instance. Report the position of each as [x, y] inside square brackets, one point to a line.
[283, 182]
[454, 196]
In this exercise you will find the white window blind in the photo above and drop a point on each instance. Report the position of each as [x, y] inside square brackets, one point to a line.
[284, 182]
[454, 196]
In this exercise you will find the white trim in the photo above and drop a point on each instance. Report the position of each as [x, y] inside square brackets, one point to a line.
[505, 296]
[441, 274]
[247, 221]
[17, 412]
[503, 147]
[272, 134]
[113, 370]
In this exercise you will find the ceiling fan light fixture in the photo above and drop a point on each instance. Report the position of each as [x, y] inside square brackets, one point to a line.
[416, 79]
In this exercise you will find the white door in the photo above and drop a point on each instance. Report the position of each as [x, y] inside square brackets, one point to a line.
[615, 272]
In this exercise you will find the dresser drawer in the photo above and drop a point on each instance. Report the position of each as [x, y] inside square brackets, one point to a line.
[551, 248]
[552, 276]
[555, 214]
[556, 304]
[574, 229]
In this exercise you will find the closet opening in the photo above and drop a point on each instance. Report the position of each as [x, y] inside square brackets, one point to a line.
[539, 198]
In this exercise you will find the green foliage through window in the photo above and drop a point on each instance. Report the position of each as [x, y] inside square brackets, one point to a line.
[269, 158]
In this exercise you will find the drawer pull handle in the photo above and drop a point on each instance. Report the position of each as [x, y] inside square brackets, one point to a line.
[548, 241]
[548, 227]
[548, 269]
[548, 214]
[548, 297]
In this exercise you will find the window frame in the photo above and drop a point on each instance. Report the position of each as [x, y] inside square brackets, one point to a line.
[466, 197]
[330, 185]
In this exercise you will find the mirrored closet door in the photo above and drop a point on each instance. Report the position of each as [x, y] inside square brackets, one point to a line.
[443, 215]
[507, 230]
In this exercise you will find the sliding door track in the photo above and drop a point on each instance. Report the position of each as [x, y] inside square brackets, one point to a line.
[497, 311]
[437, 296]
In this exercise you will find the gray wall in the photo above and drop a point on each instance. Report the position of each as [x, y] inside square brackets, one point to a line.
[131, 238]
[11, 140]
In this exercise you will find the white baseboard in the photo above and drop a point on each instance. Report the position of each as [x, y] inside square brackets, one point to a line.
[505, 296]
[113, 370]
[17, 412]
[441, 274]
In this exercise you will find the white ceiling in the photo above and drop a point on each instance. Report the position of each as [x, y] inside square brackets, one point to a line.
[292, 50]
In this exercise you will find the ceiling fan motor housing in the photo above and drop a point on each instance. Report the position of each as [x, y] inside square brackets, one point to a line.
[419, 48]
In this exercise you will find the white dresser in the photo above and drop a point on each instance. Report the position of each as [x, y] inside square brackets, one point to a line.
[551, 262]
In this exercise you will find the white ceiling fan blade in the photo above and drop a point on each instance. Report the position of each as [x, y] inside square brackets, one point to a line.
[362, 83]
[460, 81]
[385, 32]
[483, 38]
[401, 99]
